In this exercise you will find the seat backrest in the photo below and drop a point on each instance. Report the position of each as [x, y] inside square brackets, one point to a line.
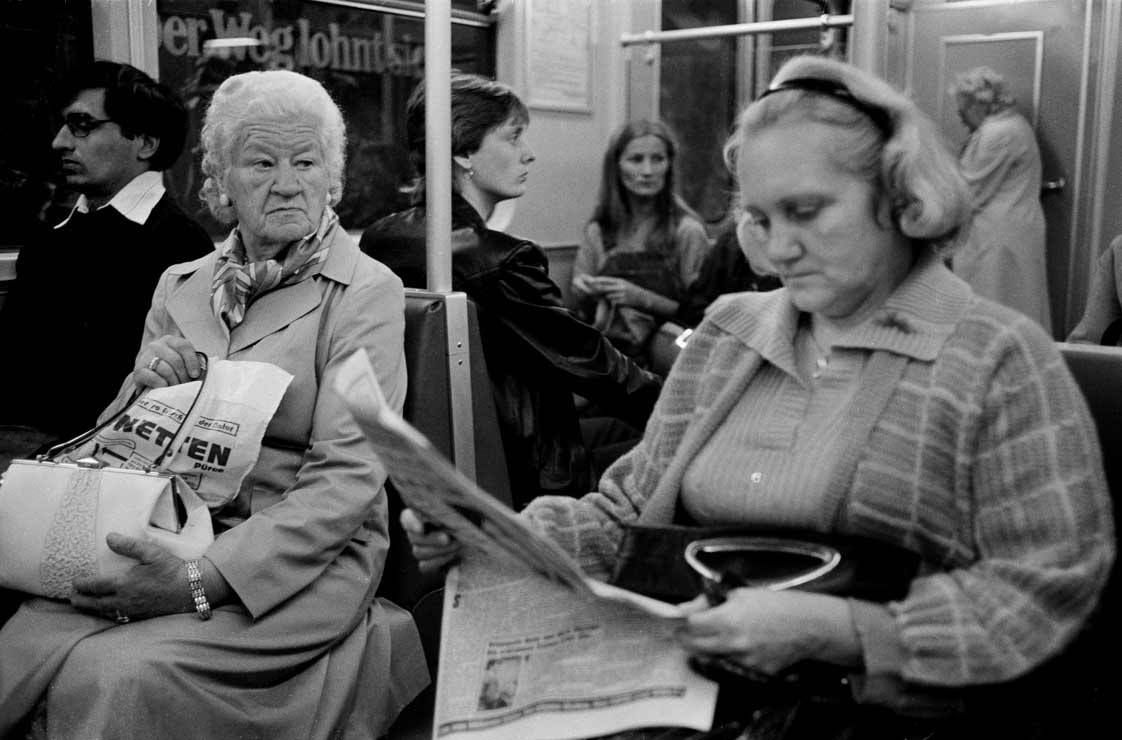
[1098, 371]
[429, 408]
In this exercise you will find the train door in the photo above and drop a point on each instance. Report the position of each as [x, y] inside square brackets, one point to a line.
[1041, 47]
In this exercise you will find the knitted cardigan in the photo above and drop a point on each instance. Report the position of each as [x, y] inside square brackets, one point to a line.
[970, 444]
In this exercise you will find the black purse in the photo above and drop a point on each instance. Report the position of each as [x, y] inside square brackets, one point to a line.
[652, 560]
[810, 700]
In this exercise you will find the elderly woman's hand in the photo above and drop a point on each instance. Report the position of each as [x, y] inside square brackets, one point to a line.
[155, 586]
[433, 548]
[169, 360]
[769, 631]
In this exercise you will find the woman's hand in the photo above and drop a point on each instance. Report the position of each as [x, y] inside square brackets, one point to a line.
[155, 586]
[434, 549]
[585, 285]
[621, 291]
[169, 360]
[769, 631]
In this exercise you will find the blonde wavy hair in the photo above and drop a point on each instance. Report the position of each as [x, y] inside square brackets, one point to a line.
[904, 156]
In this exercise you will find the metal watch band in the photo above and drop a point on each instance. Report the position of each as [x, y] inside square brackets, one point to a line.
[198, 594]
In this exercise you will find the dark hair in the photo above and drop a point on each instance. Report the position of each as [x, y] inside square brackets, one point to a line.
[613, 210]
[138, 104]
[478, 104]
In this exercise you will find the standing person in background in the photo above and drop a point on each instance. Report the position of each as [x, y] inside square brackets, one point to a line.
[1004, 258]
[643, 246]
[538, 353]
[76, 312]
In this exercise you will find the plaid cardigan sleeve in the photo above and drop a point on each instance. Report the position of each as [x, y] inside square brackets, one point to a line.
[1008, 455]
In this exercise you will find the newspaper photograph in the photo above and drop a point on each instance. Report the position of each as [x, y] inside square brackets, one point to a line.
[522, 659]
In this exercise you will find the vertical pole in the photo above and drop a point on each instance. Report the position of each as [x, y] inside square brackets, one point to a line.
[438, 145]
[869, 36]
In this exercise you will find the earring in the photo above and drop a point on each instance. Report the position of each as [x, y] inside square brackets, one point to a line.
[470, 173]
[223, 200]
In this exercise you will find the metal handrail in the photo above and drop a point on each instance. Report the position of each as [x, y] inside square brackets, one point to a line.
[737, 29]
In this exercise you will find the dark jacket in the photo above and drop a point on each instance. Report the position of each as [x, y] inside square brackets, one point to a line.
[725, 270]
[538, 354]
[73, 321]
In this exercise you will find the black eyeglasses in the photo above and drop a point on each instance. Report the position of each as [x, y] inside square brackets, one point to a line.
[82, 125]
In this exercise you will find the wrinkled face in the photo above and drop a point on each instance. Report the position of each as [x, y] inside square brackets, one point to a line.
[823, 230]
[278, 185]
[102, 162]
[643, 166]
[501, 165]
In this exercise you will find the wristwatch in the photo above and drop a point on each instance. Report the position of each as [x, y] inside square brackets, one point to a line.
[198, 594]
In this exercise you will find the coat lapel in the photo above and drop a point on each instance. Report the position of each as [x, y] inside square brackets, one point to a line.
[189, 307]
[273, 311]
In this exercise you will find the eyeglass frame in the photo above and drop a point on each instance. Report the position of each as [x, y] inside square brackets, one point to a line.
[88, 124]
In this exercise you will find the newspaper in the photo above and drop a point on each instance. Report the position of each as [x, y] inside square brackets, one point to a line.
[531, 647]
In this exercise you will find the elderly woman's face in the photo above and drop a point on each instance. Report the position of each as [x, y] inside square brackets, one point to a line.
[822, 229]
[278, 184]
[970, 112]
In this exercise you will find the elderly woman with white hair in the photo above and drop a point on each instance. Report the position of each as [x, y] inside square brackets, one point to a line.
[287, 639]
[1004, 258]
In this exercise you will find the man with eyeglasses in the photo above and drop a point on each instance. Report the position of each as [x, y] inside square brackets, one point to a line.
[72, 323]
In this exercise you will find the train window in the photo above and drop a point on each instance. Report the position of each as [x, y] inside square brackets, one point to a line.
[45, 41]
[704, 82]
[369, 55]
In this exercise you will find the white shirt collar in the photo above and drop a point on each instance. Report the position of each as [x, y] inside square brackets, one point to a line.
[134, 201]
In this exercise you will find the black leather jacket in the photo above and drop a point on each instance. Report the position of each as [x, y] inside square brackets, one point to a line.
[538, 353]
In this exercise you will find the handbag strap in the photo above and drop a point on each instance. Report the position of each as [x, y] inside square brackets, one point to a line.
[84, 437]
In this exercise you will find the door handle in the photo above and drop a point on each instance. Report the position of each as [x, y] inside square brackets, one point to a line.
[1053, 186]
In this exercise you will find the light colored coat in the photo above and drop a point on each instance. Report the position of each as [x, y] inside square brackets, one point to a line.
[1004, 257]
[970, 444]
[312, 654]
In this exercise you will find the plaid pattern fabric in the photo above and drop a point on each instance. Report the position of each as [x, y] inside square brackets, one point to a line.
[984, 462]
[238, 283]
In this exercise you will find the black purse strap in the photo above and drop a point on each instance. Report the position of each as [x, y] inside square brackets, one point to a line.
[53, 452]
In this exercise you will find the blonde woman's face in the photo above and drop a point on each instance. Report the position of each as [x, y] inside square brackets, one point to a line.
[278, 185]
[643, 166]
[822, 229]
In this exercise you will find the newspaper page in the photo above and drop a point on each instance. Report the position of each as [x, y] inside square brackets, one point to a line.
[521, 658]
[531, 648]
[429, 484]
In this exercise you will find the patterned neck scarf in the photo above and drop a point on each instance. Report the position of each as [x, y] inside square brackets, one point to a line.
[238, 283]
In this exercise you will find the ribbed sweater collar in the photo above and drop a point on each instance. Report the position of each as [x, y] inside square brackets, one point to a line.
[915, 320]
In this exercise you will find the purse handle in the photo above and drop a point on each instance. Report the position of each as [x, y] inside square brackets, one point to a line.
[81, 439]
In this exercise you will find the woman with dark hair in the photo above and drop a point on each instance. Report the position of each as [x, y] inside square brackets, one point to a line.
[538, 353]
[643, 246]
[875, 396]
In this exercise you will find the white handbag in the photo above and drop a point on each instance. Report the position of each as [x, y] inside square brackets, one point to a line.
[54, 518]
